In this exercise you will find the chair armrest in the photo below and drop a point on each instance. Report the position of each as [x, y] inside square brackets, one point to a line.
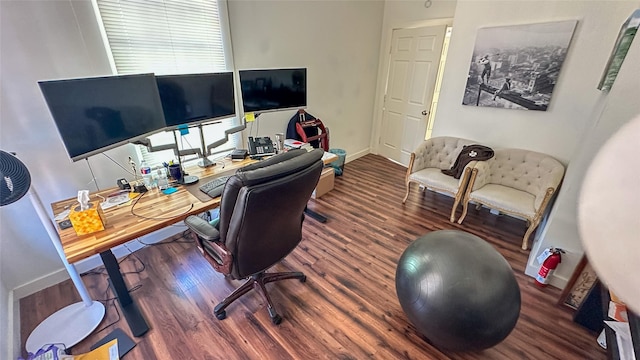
[462, 181]
[202, 228]
[208, 239]
[483, 174]
[418, 157]
[548, 186]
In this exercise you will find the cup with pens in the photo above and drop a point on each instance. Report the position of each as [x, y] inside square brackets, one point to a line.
[175, 171]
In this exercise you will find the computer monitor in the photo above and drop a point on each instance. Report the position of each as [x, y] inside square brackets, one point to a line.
[275, 89]
[97, 114]
[194, 98]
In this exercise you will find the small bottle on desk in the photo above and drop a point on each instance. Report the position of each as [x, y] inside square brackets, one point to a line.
[147, 177]
[161, 178]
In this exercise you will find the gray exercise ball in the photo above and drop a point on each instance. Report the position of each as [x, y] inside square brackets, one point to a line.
[457, 290]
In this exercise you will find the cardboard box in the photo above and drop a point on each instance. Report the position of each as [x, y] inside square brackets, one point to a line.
[325, 184]
[87, 221]
[618, 311]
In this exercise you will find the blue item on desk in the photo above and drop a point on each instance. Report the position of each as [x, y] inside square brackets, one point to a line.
[170, 190]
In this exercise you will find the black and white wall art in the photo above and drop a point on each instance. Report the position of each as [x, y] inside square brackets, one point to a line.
[517, 67]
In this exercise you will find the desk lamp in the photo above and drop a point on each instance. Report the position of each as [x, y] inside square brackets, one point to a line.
[69, 325]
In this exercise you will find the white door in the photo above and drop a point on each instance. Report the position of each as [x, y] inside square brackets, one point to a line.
[414, 61]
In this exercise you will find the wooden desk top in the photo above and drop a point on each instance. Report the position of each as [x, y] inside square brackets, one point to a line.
[159, 209]
[122, 226]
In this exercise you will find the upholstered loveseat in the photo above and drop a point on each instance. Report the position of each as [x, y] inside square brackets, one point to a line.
[516, 182]
[426, 165]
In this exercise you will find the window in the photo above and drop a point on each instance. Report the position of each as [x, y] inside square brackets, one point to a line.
[167, 37]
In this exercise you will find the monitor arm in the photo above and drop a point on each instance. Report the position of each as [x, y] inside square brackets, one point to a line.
[152, 148]
[227, 132]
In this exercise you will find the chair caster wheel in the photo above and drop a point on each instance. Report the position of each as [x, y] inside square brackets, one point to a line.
[303, 279]
[221, 315]
[276, 319]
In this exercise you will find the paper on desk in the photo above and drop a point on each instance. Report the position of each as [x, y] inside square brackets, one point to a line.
[328, 155]
[623, 338]
[112, 201]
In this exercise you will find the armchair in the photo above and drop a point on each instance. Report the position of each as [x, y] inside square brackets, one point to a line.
[516, 182]
[426, 165]
[261, 215]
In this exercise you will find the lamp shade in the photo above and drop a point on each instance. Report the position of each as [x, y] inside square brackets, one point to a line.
[14, 178]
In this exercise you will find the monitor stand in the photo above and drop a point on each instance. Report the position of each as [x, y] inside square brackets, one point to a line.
[205, 162]
[189, 179]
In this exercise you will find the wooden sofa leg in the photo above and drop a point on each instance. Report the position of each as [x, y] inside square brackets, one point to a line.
[465, 207]
[406, 196]
[453, 210]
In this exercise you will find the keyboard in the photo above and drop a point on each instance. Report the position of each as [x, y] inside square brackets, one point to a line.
[214, 187]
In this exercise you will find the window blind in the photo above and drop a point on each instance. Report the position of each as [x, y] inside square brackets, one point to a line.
[167, 37]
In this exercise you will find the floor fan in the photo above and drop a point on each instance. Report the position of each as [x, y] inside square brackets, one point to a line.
[71, 324]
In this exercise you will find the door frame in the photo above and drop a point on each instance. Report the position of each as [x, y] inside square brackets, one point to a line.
[383, 73]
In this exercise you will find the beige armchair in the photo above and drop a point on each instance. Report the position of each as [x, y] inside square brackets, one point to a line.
[427, 161]
[516, 182]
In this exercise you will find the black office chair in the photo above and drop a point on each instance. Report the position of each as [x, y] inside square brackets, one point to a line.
[261, 215]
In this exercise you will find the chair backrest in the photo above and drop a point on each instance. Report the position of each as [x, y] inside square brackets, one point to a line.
[439, 152]
[262, 209]
[525, 170]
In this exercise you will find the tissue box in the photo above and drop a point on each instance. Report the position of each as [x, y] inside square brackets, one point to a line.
[87, 221]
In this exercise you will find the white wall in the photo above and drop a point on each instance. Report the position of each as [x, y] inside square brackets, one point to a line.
[619, 106]
[44, 40]
[337, 41]
[558, 130]
[40, 40]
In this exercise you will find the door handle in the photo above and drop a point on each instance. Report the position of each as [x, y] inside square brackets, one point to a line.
[424, 112]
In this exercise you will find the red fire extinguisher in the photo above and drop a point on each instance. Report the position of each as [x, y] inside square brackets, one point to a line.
[548, 266]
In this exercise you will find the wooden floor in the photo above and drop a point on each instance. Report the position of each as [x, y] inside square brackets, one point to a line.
[347, 309]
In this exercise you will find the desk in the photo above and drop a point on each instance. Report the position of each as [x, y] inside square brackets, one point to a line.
[122, 226]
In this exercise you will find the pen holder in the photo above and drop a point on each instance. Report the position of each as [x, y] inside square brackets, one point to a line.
[87, 221]
[176, 172]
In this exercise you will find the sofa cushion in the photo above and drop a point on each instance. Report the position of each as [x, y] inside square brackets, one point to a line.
[506, 198]
[433, 177]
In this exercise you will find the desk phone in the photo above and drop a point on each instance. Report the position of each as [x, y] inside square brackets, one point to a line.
[261, 146]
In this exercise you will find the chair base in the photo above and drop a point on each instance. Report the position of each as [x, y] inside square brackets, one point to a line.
[258, 281]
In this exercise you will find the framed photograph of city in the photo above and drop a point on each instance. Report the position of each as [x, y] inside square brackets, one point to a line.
[517, 67]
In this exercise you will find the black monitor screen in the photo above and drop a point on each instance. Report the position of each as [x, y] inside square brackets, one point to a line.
[192, 98]
[97, 114]
[278, 89]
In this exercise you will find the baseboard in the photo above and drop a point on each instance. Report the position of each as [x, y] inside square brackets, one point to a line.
[359, 154]
[85, 265]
